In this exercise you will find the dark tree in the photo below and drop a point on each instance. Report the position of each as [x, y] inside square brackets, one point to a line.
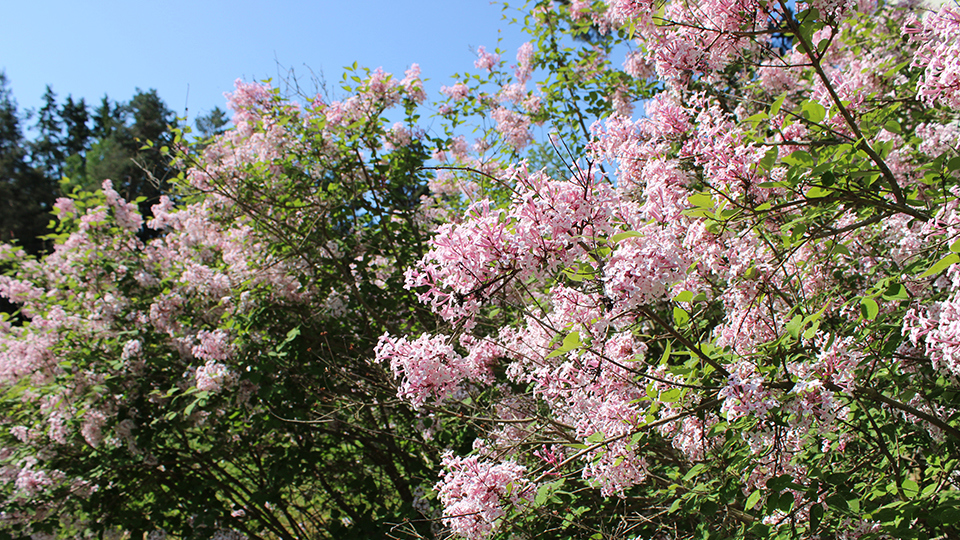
[213, 123]
[76, 125]
[46, 152]
[119, 154]
[26, 194]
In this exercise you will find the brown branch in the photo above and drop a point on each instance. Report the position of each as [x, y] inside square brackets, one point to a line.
[877, 396]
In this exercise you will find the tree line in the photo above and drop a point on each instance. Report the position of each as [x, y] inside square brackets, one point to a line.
[69, 145]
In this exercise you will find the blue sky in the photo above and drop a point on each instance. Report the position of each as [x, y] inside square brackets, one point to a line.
[89, 48]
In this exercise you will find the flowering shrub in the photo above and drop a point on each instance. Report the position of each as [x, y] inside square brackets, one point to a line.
[734, 314]
[190, 382]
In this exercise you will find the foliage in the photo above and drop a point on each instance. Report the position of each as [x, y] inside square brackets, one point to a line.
[734, 315]
[26, 195]
[217, 376]
[64, 144]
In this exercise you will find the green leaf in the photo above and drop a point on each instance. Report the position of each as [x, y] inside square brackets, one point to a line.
[670, 396]
[896, 69]
[799, 157]
[896, 291]
[694, 471]
[293, 333]
[941, 265]
[793, 327]
[817, 192]
[869, 308]
[910, 488]
[190, 407]
[684, 296]
[816, 515]
[624, 235]
[555, 353]
[892, 126]
[701, 200]
[813, 111]
[812, 331]
[779, 483]
[595, 438]
[950, 515]
[572, 341]
[786, 502]
[769, 158]
[753, 499]
[666, 353]
[543, 494]
[775, 108]
[680, 316]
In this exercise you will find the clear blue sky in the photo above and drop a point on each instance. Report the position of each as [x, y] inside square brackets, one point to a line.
[92, 48]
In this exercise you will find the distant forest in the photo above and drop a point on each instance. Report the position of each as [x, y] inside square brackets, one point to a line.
[68, 145]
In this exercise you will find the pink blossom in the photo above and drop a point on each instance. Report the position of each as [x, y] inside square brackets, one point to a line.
[248, 102]
[745, 394]
[413, 84]
[214, 377]
[428, 367]
[531, 104]
[514, 126]
[642, 269]
[92, 429]
[213, 346]
[131, 349]
[939, 55]
[579, 9]
[381, 88]
[622, 11]
[398, 136]
[456, 92]
[524, 62]
[636, 66]
[485, 60]
[474, 493]
[65, 207]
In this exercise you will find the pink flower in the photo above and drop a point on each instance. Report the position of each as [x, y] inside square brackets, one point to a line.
[428, 367]
[65, 207]
[214, 376]
[398, 136]
[939, 55]
[579, 9]
[213, 345]
[474, 493]
[636, 66]
[456, 92]
[413, 84]
[92, 429]
[514, 126]
[524, 62]
[485, 60]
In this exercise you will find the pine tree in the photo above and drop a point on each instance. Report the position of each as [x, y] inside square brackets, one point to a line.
[26, 196]
[46, 152]
[212, 124]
